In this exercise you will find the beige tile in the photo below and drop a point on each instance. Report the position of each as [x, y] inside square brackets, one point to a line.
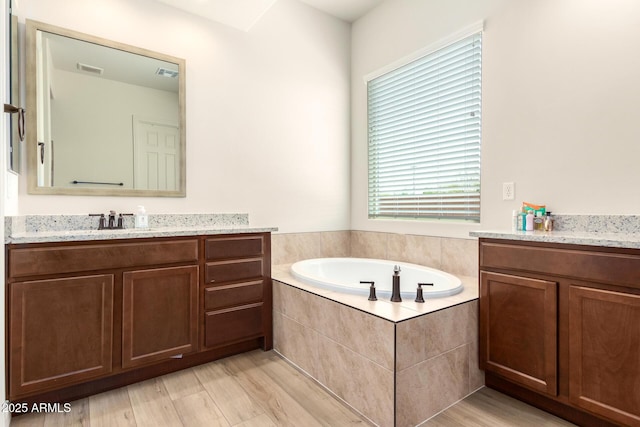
[460, 256]
[367, 335]
[199, 410]
[427, 336]
[365, 385]
[295, 303]
[297, 343]
[368, 244]
[425, 389]
[292, 247]
[476, 375]
[335, 243]
[112, 408]
[278, 249]
[422, 250]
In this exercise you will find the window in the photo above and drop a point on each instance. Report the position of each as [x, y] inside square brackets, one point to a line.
[424, 136]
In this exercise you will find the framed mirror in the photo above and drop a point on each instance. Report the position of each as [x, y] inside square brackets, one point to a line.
[103, 118]
[17, 119]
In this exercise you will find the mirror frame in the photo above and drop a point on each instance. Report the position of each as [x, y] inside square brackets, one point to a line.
[31, 115]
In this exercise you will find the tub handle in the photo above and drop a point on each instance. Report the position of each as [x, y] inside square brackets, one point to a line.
[419, 296]
[372, 290]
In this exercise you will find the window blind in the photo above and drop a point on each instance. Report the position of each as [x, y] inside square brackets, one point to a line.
[424, 130]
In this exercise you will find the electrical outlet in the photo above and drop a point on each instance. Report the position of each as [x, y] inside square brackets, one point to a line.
[508, 191]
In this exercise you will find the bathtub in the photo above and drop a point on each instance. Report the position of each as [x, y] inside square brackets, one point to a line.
[345, 274]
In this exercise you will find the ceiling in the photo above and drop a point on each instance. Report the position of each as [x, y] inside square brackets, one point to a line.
[243, 14]
[72, 55]
[347, 10]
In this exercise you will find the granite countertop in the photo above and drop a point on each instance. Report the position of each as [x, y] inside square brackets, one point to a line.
[66, 228]
[615, 231]
[589, 238]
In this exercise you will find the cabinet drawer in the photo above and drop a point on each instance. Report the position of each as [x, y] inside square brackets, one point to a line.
[224, 271]
[603, 267]
[234, 247]
[238, 294]
[233, 324]
[68, 259]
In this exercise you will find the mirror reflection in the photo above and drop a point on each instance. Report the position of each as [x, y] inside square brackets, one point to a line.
[109, 117]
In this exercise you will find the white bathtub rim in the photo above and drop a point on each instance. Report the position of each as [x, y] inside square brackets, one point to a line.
[382, 293]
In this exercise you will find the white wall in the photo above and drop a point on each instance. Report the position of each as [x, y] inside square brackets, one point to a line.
[560, 101]
[267, 110]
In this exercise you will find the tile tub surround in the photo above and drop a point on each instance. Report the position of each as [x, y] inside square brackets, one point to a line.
[453, 255]
[395, 363]
[56, 228]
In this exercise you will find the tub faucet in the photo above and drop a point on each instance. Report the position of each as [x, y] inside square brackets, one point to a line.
[395, 292]
[372, 290]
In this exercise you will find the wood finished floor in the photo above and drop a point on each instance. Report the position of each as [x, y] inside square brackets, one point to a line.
[260, 389]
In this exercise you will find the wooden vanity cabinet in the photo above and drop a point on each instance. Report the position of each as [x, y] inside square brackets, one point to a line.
[237, 290]
[519, 330]
[85, 317]
[604, 353]
[560, 328]
[159, 314]
[60, 332]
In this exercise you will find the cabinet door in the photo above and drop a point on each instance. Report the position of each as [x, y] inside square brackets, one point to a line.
[518, 330]
[604, 353]
[159, 309]
[60, 332]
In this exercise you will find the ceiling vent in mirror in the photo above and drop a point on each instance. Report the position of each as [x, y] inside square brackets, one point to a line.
[167, 73]
[90, 68]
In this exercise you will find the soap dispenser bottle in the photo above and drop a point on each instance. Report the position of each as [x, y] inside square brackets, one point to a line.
[142, 219]
[529, 221]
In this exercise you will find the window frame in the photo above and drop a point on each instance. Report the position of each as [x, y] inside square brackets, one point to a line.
[472, 194]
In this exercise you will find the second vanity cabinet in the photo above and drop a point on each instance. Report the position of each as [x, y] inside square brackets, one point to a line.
[236, 297]
[560, 328]
[84, 317]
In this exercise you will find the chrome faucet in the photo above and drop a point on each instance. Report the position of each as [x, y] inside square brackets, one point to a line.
[395, 292]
